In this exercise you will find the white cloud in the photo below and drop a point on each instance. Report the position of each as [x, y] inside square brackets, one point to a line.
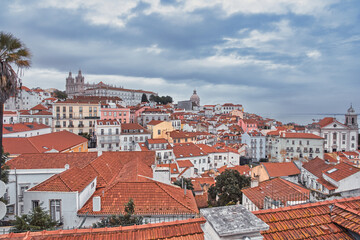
[314, 54]
[153, 49]
[118, 13]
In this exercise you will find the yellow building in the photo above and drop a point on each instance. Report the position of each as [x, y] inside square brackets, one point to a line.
[159, 129]
[76, 116]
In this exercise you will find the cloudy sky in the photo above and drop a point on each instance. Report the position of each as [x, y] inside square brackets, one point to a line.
[278, 58]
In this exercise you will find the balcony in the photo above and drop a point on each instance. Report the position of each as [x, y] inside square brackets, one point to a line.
[57, 126]
[71, 126]
[21, 198]
[92, 117]
[81, 125]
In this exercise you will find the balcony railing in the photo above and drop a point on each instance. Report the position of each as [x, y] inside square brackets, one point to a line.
[57, 126]
[71, 126]
[81, 125]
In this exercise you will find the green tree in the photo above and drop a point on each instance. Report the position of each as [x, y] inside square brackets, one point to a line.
[37, 220]
[12, 53]
[60, 95]
[184, 182]
[161, 100]
[227, 189]
[121, 220]
[144, 98]
[85, 135]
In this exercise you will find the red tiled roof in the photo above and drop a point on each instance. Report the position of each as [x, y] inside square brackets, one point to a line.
[343, 170]
[173, 167]
[157, 140]
[346, 217]
[326, 184]
[59, 141]
[9, 112]
[180, 134]
[51, 160]
[189, 229]
[108, 122]
[326, 121]
[41, 113]
[277, 189]
[150, 198]
[281, 169]
[22, 127]
[202, 200]
[39, 107]
[307, 221]
[184, 150]
[109, 167]
[243, 170]
[154, 122]
[128, 126]
[317, 166]
[301, 135]
[184, 163]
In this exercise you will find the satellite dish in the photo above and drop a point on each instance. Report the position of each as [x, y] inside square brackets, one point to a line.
[2, 188]
[2, 210]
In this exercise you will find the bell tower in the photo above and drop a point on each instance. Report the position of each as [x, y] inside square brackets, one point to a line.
[351, 118]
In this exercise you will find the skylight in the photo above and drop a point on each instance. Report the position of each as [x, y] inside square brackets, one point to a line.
[332, 170]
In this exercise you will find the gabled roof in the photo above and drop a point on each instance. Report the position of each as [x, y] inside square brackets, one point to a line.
[39, 107]
[341, 171]
[308, 221]
[51, 160]
[317, 166]
[276, 189]
[281, 169]
[346, 217]
[59, 141]
[150, 198]
[189, 229]
[109, 167]
[157, 140]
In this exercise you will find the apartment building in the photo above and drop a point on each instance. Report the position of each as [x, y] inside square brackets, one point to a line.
[108, 135]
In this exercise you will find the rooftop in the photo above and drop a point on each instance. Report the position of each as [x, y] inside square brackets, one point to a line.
[281, 169]
[232, 220]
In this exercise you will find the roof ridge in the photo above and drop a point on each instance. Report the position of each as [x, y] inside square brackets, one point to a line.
[345, 208]
[158, 183]
[29, 139]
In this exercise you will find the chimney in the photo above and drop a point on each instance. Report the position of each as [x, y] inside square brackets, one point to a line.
[338, 159]
[254, 182]
[96, 204]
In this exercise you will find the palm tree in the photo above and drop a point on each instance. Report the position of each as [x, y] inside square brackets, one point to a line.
[12, 53]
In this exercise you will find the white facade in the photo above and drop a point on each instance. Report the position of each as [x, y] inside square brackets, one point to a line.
[21, 181]
[129, 141]
[255, 145]
[25, 99]
[107, 135]
[66, 204]
[286, 149]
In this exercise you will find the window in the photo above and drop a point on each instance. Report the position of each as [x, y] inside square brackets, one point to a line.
[343, 136]
[35, 204]
[64, 123]
[55, 209]
[102, 131]
[159, 132]
[70, 109]
[117, 131]
[80, 109]
[64, 109]
[105, 113]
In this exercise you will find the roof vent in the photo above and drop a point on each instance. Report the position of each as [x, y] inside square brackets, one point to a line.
[332, 170]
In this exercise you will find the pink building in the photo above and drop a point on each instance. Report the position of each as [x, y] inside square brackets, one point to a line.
[136, 112]
[115, 111]
[248, 125]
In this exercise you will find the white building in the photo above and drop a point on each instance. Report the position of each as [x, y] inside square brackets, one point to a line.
[131, 135]
[150, 114]
[338, 136]
[25, 130]
[108, 135]
[327, 179]
[26, 99]
[255, 142]
[28, 170]
[163, 150]
[295, 146]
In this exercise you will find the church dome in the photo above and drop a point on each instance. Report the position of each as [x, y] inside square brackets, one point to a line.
[195, 98]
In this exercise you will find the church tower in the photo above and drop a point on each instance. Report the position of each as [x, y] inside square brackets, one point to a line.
[70, 84]
[79, 82]
[351, 118]
[195, 99]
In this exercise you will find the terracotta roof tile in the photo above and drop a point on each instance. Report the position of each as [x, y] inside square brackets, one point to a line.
[22, 127]
[154, 122]
[189, 229]
[184, 150]
[316, 166]
[300, 135]
[346, 217]
[281, 169]
[184, 163]
[306, 221]
[341, 171]
[51, 160]
[150, 198]
[39, 107]
[243, 170]
[277, 189]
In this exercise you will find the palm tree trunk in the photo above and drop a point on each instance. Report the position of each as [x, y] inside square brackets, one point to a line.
[1, 131]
